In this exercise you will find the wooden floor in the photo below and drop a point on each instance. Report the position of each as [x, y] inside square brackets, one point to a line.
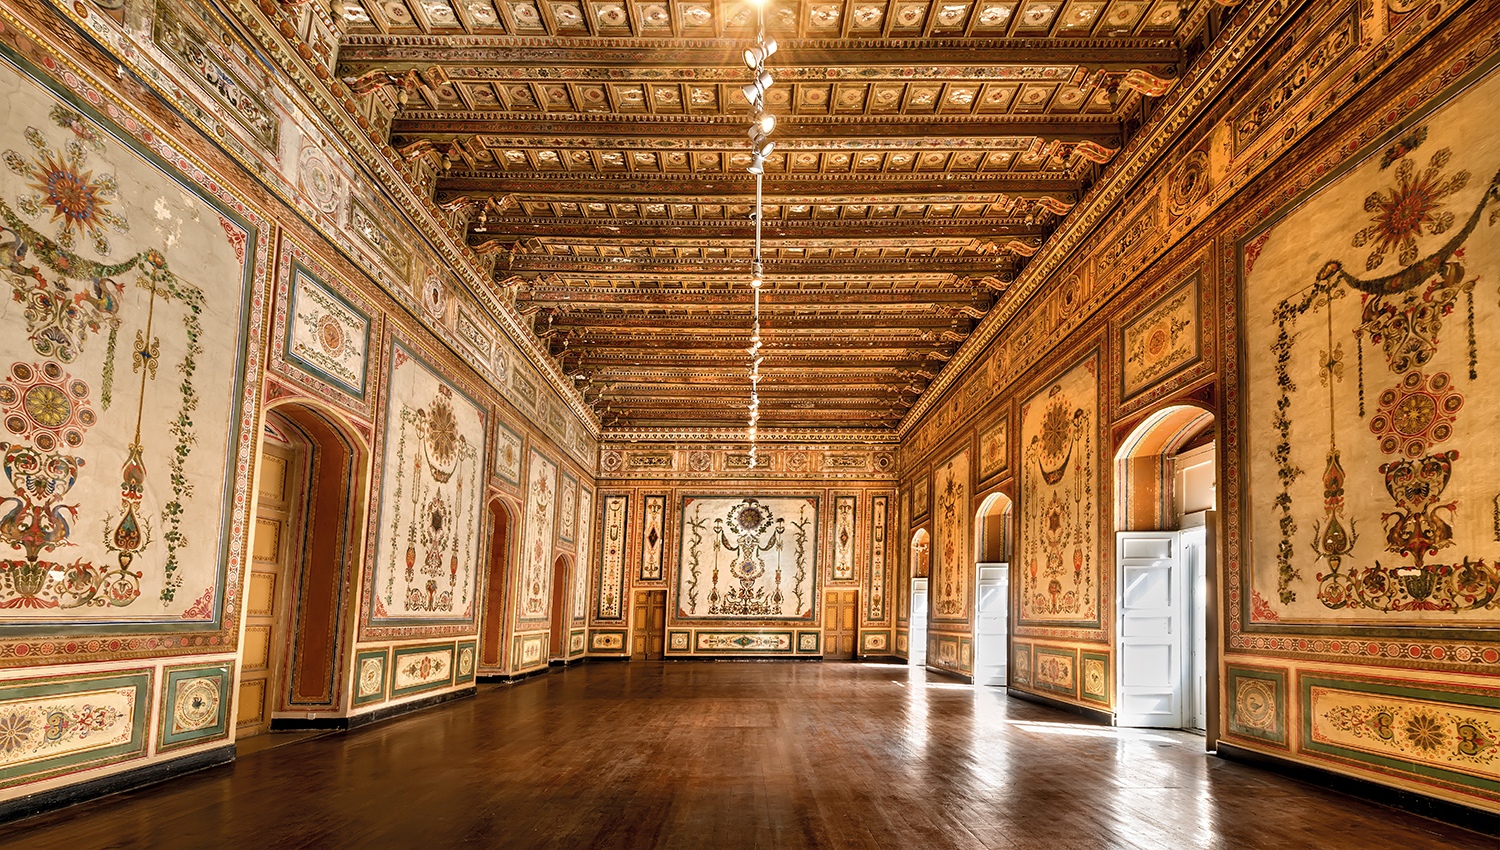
[705, 756]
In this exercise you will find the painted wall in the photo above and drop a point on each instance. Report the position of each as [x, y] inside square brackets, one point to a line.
[1270, 274]
[745, 557]
[186, 246]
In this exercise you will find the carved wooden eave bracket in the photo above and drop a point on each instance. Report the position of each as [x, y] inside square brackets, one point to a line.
[1183, 99]
[275, 30]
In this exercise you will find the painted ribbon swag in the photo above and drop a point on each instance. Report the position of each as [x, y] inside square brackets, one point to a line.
[1402, 314]
[47, 410]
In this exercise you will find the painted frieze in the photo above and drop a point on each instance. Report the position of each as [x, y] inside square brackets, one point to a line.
[1367, 376]
[653, 537]
[533, 594]
[122, 362]
[1059, 515]
[952, 570]
[748, 558]
[427, 528]
[417, 668]
[585, 543]
[60, 725]
[616, 524]
[1449, 738]
[845, 515]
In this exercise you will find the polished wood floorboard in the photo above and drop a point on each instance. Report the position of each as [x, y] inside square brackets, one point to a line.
[703, 756]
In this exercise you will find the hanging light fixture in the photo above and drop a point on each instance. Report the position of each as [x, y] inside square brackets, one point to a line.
[762, 124]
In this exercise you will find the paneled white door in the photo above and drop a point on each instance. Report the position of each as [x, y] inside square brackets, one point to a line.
[1152, 612]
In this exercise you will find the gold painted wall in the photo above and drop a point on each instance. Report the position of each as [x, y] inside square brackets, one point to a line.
[1353, 646]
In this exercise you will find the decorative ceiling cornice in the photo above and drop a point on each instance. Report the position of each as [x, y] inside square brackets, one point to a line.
[885, 438]
[529, 49]
[1217, 68]
[276, 31]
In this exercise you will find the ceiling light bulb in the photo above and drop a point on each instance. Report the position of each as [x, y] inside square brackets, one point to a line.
[752, 93]
[755, 283]
[765, 150]
[767, 122]
[757, 166]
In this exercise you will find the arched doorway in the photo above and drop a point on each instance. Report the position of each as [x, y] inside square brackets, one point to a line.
[308, 521]
[1165, 501]
[921, 563]
[561, 614]
[491, 637]
[992, 546]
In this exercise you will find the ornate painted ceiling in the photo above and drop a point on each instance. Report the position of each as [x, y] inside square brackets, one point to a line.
[925, 150]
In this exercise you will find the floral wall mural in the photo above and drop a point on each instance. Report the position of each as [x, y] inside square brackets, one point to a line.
[533, 595]
[952, 570]
[1371, 414]
[1059, 514]
[117, 419]
[748, 558]
[427, 529]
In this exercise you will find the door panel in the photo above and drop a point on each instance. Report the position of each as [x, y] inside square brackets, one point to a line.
[270, 554]
[648, 622]
[992, 625]
[840, 624]
[1151, 640]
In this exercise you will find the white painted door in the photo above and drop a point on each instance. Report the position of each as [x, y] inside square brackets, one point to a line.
[1151, 639]
[992, 625]
[917, 640]
[1195, 564]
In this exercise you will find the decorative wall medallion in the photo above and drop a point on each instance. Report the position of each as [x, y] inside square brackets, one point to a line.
[434, 297]
[1054, 670]
[318, 181]
[196, 703]
[371, 676]
[1094, 684]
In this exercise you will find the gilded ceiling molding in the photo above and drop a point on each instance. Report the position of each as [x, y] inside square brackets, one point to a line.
[621, 438]
[1220, 67]
[458, 46]
[276, 33]
[1068, 127]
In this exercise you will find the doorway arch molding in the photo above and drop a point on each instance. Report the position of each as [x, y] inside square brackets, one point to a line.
[318, 617]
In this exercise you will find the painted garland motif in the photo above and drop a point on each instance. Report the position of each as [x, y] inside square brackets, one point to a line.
[1058, 563]
[1406, 317]
[67, 301]
[430, 520]
[760, 564]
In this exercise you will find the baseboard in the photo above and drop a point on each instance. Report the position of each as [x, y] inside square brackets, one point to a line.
[1487, 823]
[952, 674]
[115, 783]
[1093, 715]
[512, 678]
[343, 724]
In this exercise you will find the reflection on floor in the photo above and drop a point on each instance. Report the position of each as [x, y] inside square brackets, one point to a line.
[274, 740]
[768, 755]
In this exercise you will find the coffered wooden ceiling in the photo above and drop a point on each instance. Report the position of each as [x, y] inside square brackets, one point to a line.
[925, 150]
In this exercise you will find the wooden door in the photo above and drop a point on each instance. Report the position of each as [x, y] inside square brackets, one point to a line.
[648, 625]
[840, 624]
[275, 538]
